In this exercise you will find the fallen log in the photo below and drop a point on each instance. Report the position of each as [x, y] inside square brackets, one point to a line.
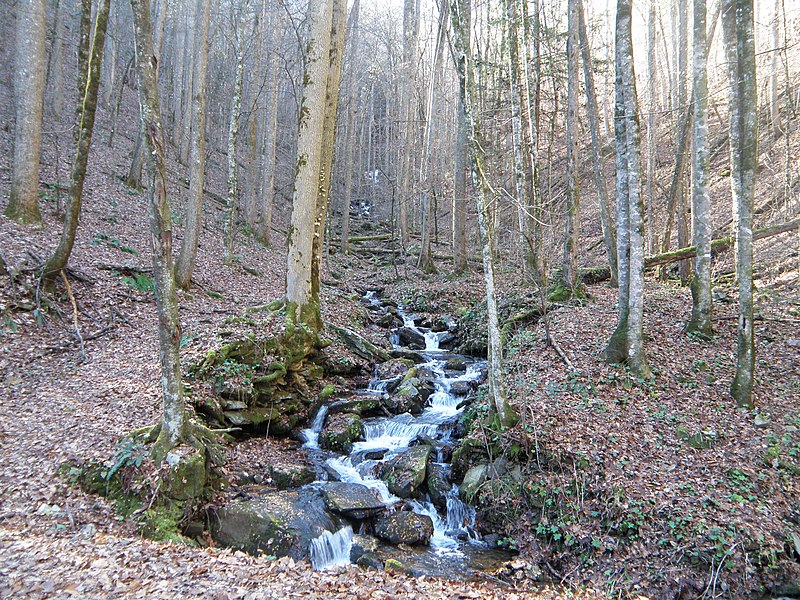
[599, 274]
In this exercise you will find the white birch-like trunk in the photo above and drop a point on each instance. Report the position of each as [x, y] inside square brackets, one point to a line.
[350, 142]
[274, 41]
[229, 228]
[569, 263]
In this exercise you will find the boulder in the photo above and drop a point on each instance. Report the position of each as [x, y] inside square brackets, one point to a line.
[462, 387]
[404, 528]
[291, 476]
[279, 524]
[473, 479]
[351, 500]
[389, 321]
[437, 479]
[405, 473]
[456, 363]
[340, 431]
[411, 338]
[187, 473]
[360, 346]
[360, 405]
[396, 367]
[444, 323]
[409, 354]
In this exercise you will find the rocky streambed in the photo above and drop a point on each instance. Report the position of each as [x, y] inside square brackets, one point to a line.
[385, 494]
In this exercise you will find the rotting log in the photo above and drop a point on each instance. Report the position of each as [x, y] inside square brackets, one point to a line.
[600, 274]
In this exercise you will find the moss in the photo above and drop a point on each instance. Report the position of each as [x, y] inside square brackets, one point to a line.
[163, 523]
[327, 392]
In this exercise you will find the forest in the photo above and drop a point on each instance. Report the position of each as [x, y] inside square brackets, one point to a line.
[400, 299]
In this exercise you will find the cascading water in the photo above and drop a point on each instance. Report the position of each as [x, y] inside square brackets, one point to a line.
[384, 438]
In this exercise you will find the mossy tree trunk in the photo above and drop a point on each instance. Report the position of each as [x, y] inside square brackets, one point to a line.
[627, 342]
[173, 422]
[85, 127]
[737, 25]
[701, 201]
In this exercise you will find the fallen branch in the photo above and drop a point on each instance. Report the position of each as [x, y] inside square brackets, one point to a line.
[598, 274]
[74, 313]
[552, 341]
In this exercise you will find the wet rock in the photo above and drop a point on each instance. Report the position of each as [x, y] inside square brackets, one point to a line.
[396, 367]
[360, 346]
[473, 479]
[273, 420]
[405, 474]
[447, 341]
[362, 406]
[281, 524]
[370, 561]
[411, 338]
[288, 477]
[462, 387]
[409, 354]
[351, 500]
[404, 528]
[444, 323]
[340, 431]
[438, 481]
[389, 321]
[455, 363]
[362, 544]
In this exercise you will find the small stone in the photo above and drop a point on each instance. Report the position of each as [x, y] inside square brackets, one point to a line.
[761, 421]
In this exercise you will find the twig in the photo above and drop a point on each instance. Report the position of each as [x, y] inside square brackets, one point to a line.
[552, 341]
[74, 313]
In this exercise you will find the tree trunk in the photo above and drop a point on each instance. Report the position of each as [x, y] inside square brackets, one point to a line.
[701, 201]
[301, 307]
[569, 263]
[173, 423]
[460, 264]
[23, 203]
[652, 123]
[194, 205]
[271, 127]
[627, 342]
[85, 127]
[334, 77]
[55, 66]
[606, 214]
[350, 142]
[233, 135]
[737, 24]
[505, 413]
[411, 20]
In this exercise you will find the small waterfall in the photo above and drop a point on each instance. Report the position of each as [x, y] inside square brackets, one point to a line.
[393, 434]
[432, 339]
[311, 435]
[344, 469]
[460, 516]
[331, 549]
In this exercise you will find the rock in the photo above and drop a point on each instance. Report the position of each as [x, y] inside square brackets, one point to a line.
[396, 367]
[462, 387]
[404, 528]
[360, 346]
[370, 561]
[187, 473]
[389, 321]
[437, 479]
[411, 338]
[351, 500]
[444, 323]
[281, 524]
[761, 421]
[406, 353]
[404, 474]
[473, 479]
[455, 363]
[362, 544]
[447, 341]
[340, 431]
[288, 477]
[793, 343]
[276, 420]
[360, 405]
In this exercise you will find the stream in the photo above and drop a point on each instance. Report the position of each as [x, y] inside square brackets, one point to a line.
[455, 548]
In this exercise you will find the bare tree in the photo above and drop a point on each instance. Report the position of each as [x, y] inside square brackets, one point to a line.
[461, 152]
[737, 26]
[627, 342]
[569, 264]
[349, 152]
[184, 267]
[23, 202]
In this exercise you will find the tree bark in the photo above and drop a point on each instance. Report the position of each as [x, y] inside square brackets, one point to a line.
[701, 202]
[737, 24]
[23, 203]
[569, 263]
[194, 205]
[301, 307]
[627, 342]
[173, 423]
[460, 264]
[85, 127]
[350, 142]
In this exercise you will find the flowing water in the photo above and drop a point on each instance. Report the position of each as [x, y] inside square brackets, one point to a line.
[454, 544]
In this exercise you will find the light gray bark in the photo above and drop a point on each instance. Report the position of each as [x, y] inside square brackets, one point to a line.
[173, 422]
[23, 203]
[184, 267]
[350, 145]
[301, 307]
[737, 24]
[701, 202]
[411, 20]
[652, 123]
[461, 154]
[569, 263]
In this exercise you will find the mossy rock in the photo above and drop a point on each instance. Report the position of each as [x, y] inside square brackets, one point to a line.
[340, 431]
[163, 523]
[469, 453]
[405, 473]
[473, 479]
[437, 480]
[187, 473]
[404, 528]
[363, 406]
[294, 476]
